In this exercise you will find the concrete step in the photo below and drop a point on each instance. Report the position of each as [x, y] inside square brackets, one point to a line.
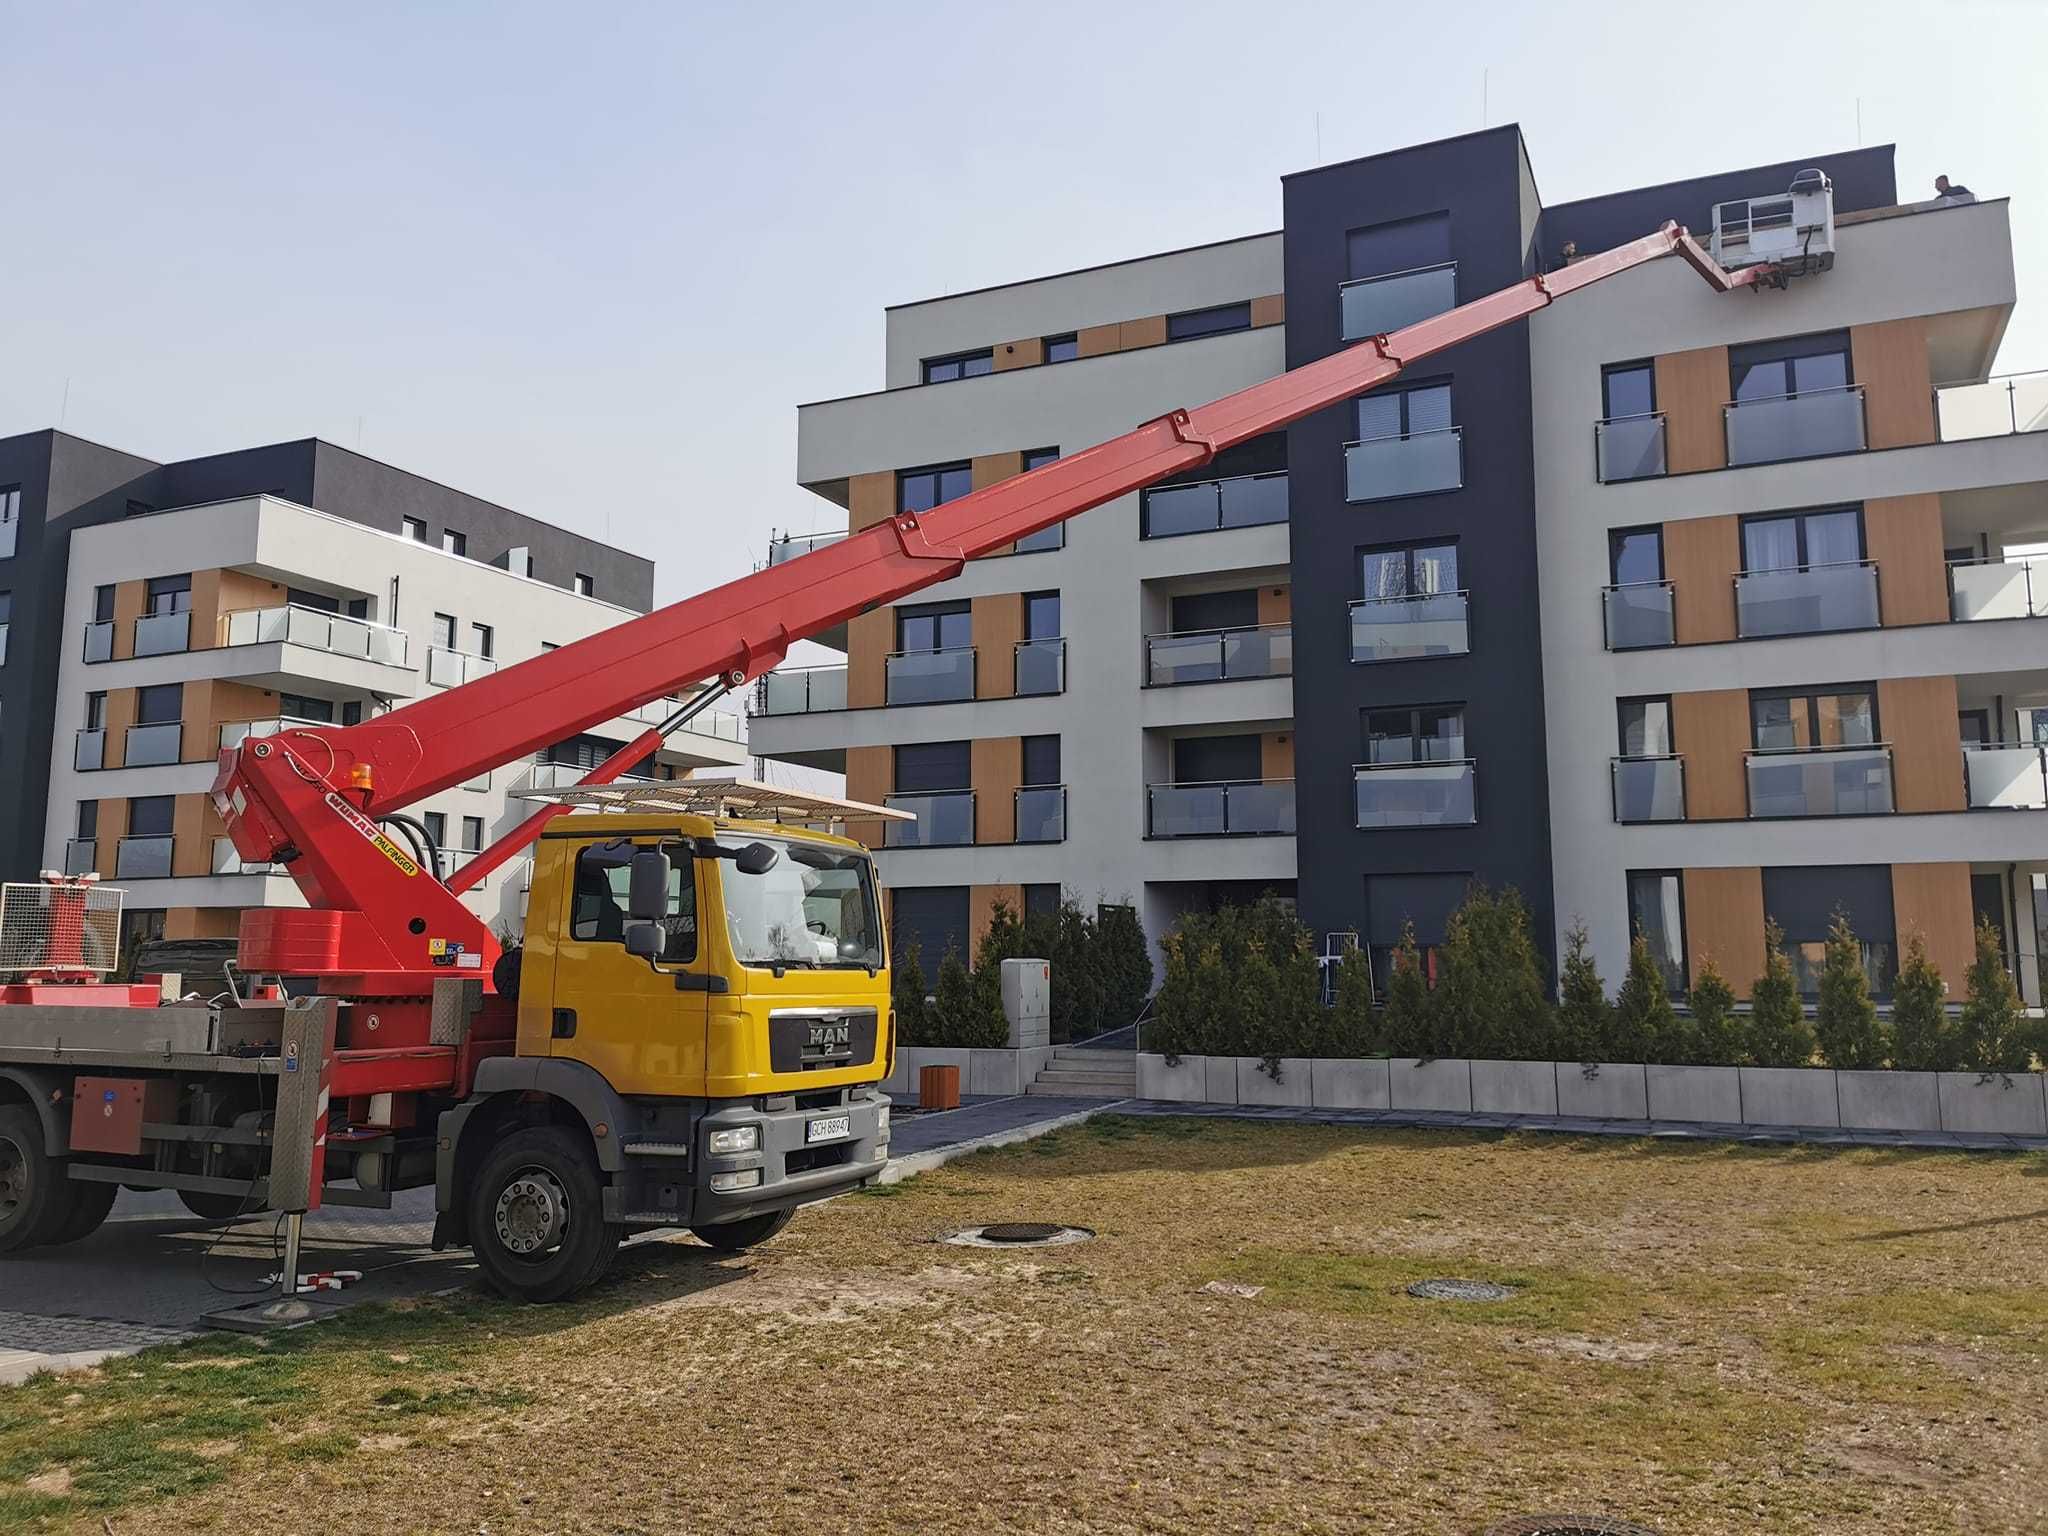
[1043, 1089]
[1086, 1053]
[1054, 1077]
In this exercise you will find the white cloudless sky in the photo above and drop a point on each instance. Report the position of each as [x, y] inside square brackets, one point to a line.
[586, 260]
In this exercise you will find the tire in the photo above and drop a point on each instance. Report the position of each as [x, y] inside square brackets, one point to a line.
[30, 1182]
[543, 1182]
[747, 1232]
[89, 1202]
[209, 1206]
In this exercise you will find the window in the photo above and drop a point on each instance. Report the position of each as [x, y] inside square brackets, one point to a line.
[358, 607]
[919, 490]
[1635, 555]
[1802, 540]
[1404, 412]
[10, 519]
[443, 631]
[141, 925]
[1434, 733]
[1798, 365]
[415, 529]
[1041, 900]
[929, 767]
[1054, 537]
[934, 627]
[437, 828]
[169, 594]
[962, 365]
[1401, 245]
[1393, 902]
[1041, 615]
[1787, 719]
[482, 639]
[930, 920]
[1035, 458]
[585, 587]
[455, 543]
[299, 706]
[103, 605]
[472, 834]
[137, 509]
[1804, 903]
[1041, 760]
[299, 597]
[1414, 570]
[1209, 322]
[6, 615]
[352, 712]
[1645, 727]
[1062, 349]
[88, 820]
[1656, 911]
[1217, 760]
[1627, 389]
[604, 878]
[95, 711]
[152, 815]
[159, 704]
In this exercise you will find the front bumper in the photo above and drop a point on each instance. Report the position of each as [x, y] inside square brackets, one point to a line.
[793, 1170]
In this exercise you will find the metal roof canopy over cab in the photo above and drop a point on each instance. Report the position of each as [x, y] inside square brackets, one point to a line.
[731, 799]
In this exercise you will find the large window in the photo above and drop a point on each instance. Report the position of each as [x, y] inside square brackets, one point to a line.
[1800, 540]
[1797, 365]
[1789, 719]
[927, 767]
[1627, 389]
[1401, 245]
[299, 706]
[1635, 555]
[962, 365]
[1041, 760]
[1804, 902]
[1656, 913]
[1209, 322]
[152, 815]
[1394, 902]
[1404, 412]
[10, 519]
[934, 627]
[169, 594]
[1645, 726]
[1434, 733]
[1041, 615]
[159, 704]
[919, 490]
[933, 920]
[103, 605]
[599, 899]
[1413, 570]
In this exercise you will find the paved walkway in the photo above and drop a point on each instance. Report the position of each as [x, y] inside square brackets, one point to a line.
[977, 1123]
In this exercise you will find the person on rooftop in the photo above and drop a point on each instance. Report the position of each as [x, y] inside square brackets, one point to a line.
[1948, 192]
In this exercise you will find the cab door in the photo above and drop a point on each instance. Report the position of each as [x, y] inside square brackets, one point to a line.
[626, 1017]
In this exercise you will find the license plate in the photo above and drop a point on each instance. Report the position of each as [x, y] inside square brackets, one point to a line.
[829, 1129]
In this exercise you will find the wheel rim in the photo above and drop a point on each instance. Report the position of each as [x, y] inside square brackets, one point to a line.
[13, 1179]
[532, 1216]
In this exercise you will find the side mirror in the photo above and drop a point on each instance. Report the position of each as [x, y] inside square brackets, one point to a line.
[643, 941]
[647, 894]
[756, 859]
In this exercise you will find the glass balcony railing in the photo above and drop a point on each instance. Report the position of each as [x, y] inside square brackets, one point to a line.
[227, 860]
[1244, 501]
[99, 641]
[1402, 628]
[1220, 655]
[81, 855]
[1045, 539]
[1810, 600]
[802, 691]
[1999, 407]
[1042, 813]
[1821, 781]
[931, 677]
[791, 545]
[1649, 789]
[151, 746]
[1041, 667]
[322, 631]
[715, 723]
[1416, 794]
[234, 732]
[1639, 614]
[163, 634]
[1410, 465]
[1804, 426]
[945, 819]
[546, 776]
[89, 750]
[143, 858]
[1372, 306]
[1992, 589]
[451, 669]
[2012, 778]
[1629, 447]
[1236, 808]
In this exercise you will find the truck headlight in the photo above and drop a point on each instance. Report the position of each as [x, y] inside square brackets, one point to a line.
[732, 1183]
[882, 1123]
[741, 1138]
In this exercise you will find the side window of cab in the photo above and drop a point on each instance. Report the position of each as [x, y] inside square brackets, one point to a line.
[598, 899]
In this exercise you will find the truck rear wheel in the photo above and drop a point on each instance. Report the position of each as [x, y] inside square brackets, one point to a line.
[536, 1216]
[30, 1181]
[209, 1205]
[747, 1232]
[85, 1204]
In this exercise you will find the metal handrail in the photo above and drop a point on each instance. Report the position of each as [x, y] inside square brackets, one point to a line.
[1631, 586]
[1386, 277]
[1417, 762]
[1412, 597]
[1216, 783]
[1224, 629]
[932, 650]
[1391, 437]
[1794, 394]
[1836, 746]
[1809, 565]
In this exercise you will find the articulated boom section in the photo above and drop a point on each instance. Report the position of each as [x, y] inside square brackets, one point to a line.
[313, 798]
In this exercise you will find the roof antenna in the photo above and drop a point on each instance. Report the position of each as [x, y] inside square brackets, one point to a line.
[1319, 138]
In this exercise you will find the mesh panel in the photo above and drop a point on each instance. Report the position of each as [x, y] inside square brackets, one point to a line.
[59, 927]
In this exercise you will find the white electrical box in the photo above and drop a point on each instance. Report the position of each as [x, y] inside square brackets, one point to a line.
[1027, 1002]
[1794, 230]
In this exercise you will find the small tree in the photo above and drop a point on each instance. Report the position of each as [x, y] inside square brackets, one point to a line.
[1490, 998]
[1408, 1026]
[1994, 1033]
[1923, 1038]
[1645, 1023]
[1585, 1018]
[907, 994]
[1846, 1023]
[965, 1016]
[1122, 966]
[1779, 1035]
[1717, 1032]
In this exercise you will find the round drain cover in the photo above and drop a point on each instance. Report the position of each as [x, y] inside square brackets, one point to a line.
[1567, 1525]
[1017, 1234]
[1022, 1231]
[1468, 1290]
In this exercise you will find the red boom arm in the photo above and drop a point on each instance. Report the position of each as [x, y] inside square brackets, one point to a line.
[312, 797]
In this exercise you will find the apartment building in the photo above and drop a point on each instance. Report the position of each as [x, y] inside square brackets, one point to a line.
[1610, 605]
[175, 630]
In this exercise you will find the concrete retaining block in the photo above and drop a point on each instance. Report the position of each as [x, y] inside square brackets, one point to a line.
[1444, 1084]
[1183, 1082]
[1003, 1070]
[1514, 1087]
[1789, 1096]
[1335, 1083]
[1220, 1080]
[1889, 1101]
[1255, 1087]
[1606, 1090]
[1712, 1094]
[2012, 1103]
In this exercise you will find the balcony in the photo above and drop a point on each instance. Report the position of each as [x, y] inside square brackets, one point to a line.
[1243, 501]
[163, 634]
[1998, 407]
[319, 630]
[1821, 781]
[1040, 667]
[1808, 600]
[451, 669]
[1638, 615]
[802, 691]
[791, 546]
[715, 723]
[1043, 541]
[227, 860]
[1649, 789]
[2005, 778]
[546, 776]
[1238, 808]
[1992, 589]
[931, 677]
[234, 732]
[143, 858]
[945, 819]
[81, 855]
[152, 746]
[1219, 655]
[89, 750]
[1628, 447]
[1413, 464]
[1416, 794]
[1404, 628]
[1042, 813]
[99, 641]
[1805, 426]
[1372, 306]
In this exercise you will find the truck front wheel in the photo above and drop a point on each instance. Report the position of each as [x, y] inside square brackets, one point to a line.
[747, 1232]
[31, 1193]
[536, 1216]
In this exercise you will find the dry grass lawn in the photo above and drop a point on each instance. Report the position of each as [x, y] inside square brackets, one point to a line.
[1705, 1339]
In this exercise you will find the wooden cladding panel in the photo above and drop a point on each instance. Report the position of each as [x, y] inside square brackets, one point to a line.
[1148, 332]
[1890, 359]
[996, 768]
[870, 637]
[202, 922]
[1724, 922]
[987, 469]
[113, 822]
[1701, 557]
[870, 777]
[1692, 387]
[1276, 755]
[1903, 535]
[981, 906]
[1269, 309]
[1933, 900]
[1711, 732]
[870, 499]
[198, 735]
[1028, 353]
[1095, 340]
[997, 624]
[192, 852]
[1918, 717]
[130, 598]
[1276, 605]
[119, 716]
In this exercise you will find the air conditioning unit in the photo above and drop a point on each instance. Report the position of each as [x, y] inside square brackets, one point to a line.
[1794, 230]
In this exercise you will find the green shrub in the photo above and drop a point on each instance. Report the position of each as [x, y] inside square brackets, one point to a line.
[1408, 1026]
[1585, 1018]
[907, 995]
[1779, 1035]
[1995, 1034]
[1923, 1037]
[1845, 1024]
[1240, 981]
[1122, 964]
[1645, 1023]
[1490, 995]
[1101, 974]
[1717, 1031]
[963, 1013]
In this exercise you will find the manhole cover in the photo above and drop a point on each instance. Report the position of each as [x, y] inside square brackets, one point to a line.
[1567, 1525]
[1469, 1290]
[1018, 1234]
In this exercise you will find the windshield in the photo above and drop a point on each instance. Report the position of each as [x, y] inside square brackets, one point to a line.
[814, 907]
